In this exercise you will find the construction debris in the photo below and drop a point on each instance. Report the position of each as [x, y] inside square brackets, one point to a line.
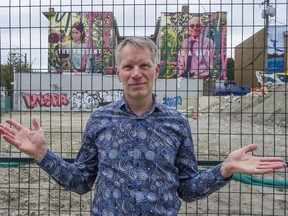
[270, 108]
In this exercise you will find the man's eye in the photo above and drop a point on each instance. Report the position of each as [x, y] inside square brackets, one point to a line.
[127, 67]
[145, 66]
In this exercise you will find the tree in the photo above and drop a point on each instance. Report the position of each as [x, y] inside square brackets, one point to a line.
[7, 78]
[14, 62]
[230, 69]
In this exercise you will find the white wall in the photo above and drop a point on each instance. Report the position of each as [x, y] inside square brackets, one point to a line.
[86, 92]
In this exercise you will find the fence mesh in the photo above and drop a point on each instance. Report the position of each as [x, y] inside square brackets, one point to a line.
[236, 97]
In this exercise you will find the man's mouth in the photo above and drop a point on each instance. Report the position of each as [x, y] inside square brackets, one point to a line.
[136, 84]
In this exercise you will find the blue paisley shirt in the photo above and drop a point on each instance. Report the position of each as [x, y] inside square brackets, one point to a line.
[142, 164]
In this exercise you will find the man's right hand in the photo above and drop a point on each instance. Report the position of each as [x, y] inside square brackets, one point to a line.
[31, 142]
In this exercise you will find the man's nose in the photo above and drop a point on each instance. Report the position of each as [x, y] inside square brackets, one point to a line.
[136, 73]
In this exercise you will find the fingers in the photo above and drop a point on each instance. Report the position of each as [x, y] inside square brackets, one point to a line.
[9, 132]
[18, 126]
[6, 130]
[269, 164]
[12, 141]
[271, 159]
[9, 135]
[35, 123]
[277, 163]
[266, 170]
[273, 166]
[14, 124]
[249, 148]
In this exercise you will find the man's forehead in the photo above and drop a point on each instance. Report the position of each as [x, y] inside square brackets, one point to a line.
[131, 53]
[134, 47]
[129, 49]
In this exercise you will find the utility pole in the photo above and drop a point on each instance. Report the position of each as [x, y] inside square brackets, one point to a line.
[266, 27]
[269, 10]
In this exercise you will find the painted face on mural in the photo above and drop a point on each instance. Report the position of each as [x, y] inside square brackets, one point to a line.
[195, 27]
[137, 72]
[76, 35]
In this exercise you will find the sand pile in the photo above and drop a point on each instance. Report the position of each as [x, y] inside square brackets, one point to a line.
[270, 109]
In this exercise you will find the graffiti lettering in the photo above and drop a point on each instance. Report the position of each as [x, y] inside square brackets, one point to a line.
[110, 96]
[86, 100]
[45, 100]
[172, 101]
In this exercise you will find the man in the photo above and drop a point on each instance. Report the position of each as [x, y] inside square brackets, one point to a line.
[197, 53]
[140, 151]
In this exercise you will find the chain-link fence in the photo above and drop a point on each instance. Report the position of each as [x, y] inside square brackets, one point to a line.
[231, 84]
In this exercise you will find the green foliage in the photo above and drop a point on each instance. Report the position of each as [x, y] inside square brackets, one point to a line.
[172, 36]
[14, 62]
[6, 78]
[230, 69]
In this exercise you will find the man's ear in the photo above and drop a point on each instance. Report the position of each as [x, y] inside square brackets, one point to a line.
[157, 71]
[117, 73]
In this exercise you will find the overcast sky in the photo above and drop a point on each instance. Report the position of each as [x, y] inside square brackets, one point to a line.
[24, 27]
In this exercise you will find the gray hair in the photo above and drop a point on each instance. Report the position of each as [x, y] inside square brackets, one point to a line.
[138, 42]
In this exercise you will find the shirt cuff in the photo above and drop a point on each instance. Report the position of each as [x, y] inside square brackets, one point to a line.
[219, 177]
[50, 156]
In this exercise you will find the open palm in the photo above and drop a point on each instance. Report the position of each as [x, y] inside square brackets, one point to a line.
[31, 142]
[240, 162]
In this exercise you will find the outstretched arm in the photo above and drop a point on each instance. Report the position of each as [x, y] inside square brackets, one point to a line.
[31, 142]
[240, 162]
[78, 177]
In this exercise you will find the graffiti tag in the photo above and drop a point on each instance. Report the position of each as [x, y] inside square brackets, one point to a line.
[45, 100]
[84, 100]
[87, 100]
[172, 101]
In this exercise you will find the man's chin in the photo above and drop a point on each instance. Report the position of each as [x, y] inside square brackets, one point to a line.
[138, 95]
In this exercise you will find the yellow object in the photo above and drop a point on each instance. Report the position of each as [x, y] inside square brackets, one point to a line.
[282, 74]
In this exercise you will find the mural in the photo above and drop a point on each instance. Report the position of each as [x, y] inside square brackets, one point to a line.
[193, 45]
[276, 49]
[81, 42]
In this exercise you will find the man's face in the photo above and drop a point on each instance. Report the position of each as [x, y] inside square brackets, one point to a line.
[195, 27]
[137, 72]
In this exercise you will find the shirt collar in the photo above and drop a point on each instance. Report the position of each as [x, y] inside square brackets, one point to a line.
[156, 105]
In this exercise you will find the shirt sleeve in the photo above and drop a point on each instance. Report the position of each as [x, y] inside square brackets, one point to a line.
[79, 176]
[193, 184]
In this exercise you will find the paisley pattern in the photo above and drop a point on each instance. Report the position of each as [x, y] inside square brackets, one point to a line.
[143, 165]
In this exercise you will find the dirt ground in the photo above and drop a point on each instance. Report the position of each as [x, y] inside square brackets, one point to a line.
[219, 129]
